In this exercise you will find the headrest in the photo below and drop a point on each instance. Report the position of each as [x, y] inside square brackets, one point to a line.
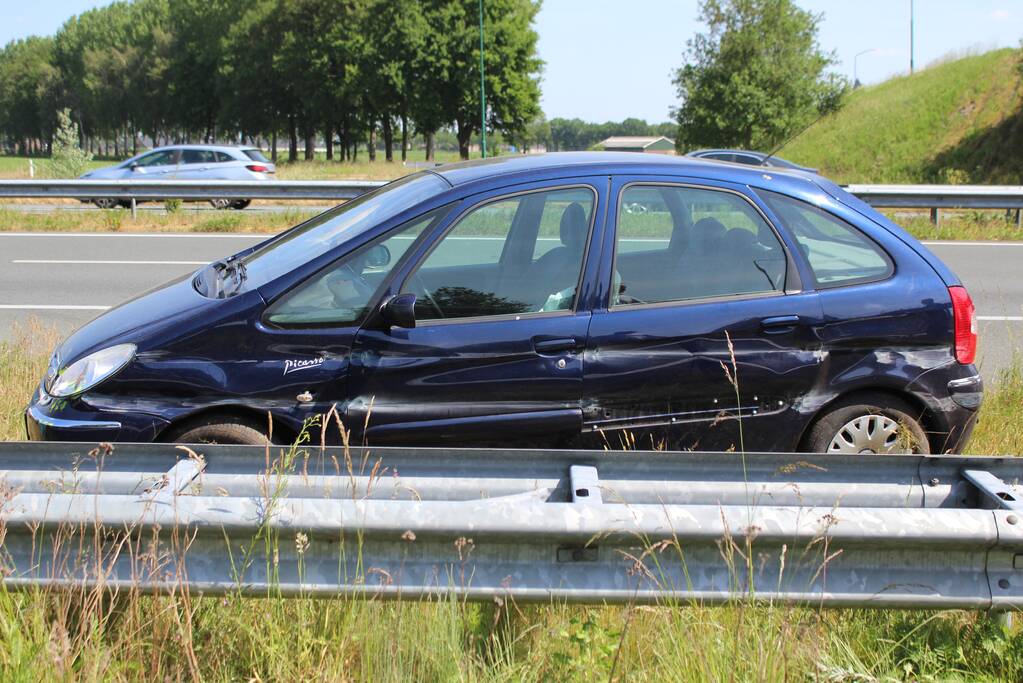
[573, 227]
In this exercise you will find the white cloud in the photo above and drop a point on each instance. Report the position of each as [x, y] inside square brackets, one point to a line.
[1001, 14]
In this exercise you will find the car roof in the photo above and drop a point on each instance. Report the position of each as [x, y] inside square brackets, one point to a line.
[598, 163]
[749, 152]
[214, 148]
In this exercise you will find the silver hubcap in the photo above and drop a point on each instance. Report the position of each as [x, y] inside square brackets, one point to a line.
[868, 434]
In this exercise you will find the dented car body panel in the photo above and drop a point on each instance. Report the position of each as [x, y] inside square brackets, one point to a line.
[740, 371]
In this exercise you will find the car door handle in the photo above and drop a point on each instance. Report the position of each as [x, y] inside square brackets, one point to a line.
[780, 323]
[555, 345]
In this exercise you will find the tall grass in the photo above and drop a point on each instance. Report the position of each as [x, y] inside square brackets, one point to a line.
[92, 635]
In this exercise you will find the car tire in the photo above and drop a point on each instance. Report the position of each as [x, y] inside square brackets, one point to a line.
[220, 203]
[219, 430]
[240, 204]
[872, 423]
[106, 202]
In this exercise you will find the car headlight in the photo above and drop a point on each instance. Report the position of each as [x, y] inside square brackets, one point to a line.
[86, 373]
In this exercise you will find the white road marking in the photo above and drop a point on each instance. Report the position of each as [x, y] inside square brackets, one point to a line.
[110, 263]
[958, 243]
[51, 307]
[1002, 318]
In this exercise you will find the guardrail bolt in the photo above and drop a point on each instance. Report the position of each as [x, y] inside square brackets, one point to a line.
[1003, 584]
[934, 481]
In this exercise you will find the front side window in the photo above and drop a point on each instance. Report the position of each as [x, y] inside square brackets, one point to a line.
[341, 294]
[692, 243]
[164, 158]
[515, 255]
[838, 253]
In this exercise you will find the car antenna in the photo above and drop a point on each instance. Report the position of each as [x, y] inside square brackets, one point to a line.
[793, 137]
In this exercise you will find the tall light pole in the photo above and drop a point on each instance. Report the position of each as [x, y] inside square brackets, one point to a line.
[483, 92]
[856, 79]
[910, 36]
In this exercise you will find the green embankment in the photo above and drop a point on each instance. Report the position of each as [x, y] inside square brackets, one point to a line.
[958, 122]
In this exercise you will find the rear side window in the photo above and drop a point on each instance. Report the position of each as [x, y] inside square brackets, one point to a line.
[197, 156]
[838, 253]
[223, 157]
[677, 243]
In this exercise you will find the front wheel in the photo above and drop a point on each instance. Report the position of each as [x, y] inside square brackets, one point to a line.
[240, 204]
[868, 424]
[220, 203]
[218, 430]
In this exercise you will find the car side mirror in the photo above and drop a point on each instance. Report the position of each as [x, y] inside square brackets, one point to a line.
[134, 166]
[399, 311]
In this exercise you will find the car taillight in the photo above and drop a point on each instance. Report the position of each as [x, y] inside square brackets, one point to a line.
[965, 318]
[257, 168]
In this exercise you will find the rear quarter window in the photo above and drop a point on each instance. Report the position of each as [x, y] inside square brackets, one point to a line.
[255, 155]
[838, 253]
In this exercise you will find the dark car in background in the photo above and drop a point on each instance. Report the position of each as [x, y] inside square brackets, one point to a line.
[742, 156]
[514, 301]
[189, 162]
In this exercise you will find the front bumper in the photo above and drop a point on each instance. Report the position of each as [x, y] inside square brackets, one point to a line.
[42, 427]
[50, 419]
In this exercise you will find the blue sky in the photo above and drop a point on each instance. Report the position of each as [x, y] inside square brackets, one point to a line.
[609, 59]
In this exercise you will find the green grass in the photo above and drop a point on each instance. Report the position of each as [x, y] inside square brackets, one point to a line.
[88, 635]
[955, 122]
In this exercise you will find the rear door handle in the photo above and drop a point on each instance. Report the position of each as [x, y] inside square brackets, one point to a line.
[780, 323]
[555, 345]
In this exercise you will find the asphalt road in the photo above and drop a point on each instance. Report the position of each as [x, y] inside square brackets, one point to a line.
[67, 279]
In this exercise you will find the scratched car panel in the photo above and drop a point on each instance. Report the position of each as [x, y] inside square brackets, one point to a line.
[587, 299]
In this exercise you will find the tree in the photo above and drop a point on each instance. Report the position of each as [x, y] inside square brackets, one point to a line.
[512, 69]
[28, 92]
[755, 78]
[67, 160]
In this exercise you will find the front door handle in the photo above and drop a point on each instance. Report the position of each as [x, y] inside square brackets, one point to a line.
[780, 323]
[555, 345]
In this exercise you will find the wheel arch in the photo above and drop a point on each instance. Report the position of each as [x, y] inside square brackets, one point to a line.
[927, 418]
[282, 431]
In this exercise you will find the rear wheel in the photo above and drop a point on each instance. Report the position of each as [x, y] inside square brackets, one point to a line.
[106, 202]
[240, 204]
[220, 203]
[868, 424]
[219, 430]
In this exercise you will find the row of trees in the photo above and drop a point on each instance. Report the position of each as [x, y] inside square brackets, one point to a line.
[203, 70]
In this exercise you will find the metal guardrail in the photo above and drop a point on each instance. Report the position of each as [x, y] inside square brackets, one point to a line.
[882, 196]
[149, 190]
[940, 196]
[664, 528]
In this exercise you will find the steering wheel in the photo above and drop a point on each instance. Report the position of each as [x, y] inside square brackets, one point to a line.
[418, 281]
[343, 297]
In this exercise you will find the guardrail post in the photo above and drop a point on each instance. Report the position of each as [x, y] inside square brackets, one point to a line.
[133, 214]
[935, 216]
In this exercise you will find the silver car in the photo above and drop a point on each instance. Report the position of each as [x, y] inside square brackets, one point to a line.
[189, 162]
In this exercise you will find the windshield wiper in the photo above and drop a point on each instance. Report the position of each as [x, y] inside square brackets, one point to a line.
[231, 273]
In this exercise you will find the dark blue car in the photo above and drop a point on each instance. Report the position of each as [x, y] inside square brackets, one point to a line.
[618, 300]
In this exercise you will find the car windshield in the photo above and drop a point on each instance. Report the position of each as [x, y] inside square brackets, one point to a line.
[330, 229]
[255, 155]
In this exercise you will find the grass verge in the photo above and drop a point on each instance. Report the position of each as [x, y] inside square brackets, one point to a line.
[87, 635]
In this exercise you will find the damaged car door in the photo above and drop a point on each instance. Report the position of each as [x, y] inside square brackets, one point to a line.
[707, 340]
